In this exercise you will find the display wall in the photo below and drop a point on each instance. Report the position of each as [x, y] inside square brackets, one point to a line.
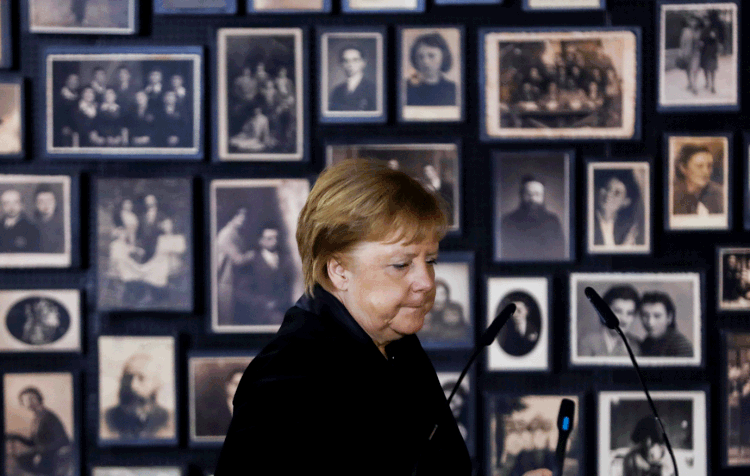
[133, 221]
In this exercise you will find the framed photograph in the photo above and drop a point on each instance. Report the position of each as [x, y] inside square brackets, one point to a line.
[288, 6]
[137, 471]
[733, 278]
[435, 165]
[195, 7]
[79, 17]
[213, 380]
[735, 398]
[462, 406]
[533, 208]
[41, 430]
[6, 47]
[698, 179]
[619, 207]
[144, 249]
[560, 84]
[659, 313]
[36, 215]
[523, 342]
[746, 181]
[629, 435]
[117, 102]
[382, 6]
[522, 430]
[352, 75]
[431, 74]
[256, 271]
[261, 94]
[40, 320]
[450, 323]
[137, 401]
[11, 117]
[698, 55]
[466, 2]
[564, 5]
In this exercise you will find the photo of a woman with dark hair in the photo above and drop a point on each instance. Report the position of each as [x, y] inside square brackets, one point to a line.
[619, 215]
[695, 192]
[432, 58]
[648, 456]
[521, 334]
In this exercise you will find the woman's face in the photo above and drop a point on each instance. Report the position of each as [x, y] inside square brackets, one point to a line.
[429, 59]
[88, 95]
[698, 169]
[127, 205]
[613, 196]
[388, 287]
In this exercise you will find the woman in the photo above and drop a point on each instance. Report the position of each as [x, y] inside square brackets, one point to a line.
[84, 118]
[431, 57]
[619, 211]
[345, 387]
[521, 334]
[445, 321]
[694, 191]
[690, 51]
[649, 456]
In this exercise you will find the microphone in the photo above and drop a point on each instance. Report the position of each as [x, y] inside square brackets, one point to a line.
[564, 429]
[611, 321]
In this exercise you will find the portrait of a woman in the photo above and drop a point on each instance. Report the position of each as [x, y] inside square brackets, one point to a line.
[695, 192]
[432, 59]
[618, 211]
[521, 333]
[345, 387]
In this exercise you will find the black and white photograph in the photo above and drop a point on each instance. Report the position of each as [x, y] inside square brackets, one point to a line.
[631, 441]
[465, 2]
[144, 249]
[40, 434]
[559, 84]
[523, 342]
[137, 471]
[95, 17]
[533, 206]
[382, 6]
[36, 221]
[660, 314]
[462, 405]
[733, 279]
[40, 320]
[256, 271]
[435, 165]
[619, 207]
[736, 400]
[6, 50]
[450, 323]
[120, 102]
[213, 380]
[195, 7]
[261, 101]
[698, 182]
[564, 5]
[11, 118]
[698, 55]
[431, 72]
[523, 434]
[137, 391]
[352, 75]
[288, 6]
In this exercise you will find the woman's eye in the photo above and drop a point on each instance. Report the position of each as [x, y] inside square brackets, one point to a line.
[401, 265]
[432, 261]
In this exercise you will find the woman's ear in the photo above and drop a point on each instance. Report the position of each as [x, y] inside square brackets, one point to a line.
[337, 274]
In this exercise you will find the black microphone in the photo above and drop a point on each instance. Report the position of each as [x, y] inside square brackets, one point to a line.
[564, 429]
[609, 319]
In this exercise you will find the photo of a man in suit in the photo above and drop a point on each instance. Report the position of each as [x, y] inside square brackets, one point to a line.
[521, 334]
[356, 93]
[17, 234]
[48, 218]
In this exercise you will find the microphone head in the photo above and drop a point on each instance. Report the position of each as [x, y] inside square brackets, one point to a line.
[565, 416]
[494, 329]
[606, 315]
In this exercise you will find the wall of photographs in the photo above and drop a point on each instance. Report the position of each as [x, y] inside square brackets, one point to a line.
[156, 154]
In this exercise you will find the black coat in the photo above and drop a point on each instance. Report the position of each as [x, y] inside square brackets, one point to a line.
[321, 398]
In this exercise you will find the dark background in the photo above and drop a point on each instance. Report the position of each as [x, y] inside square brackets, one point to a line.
[672, 251]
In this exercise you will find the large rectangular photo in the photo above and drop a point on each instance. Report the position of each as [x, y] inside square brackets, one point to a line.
[559, 83]
[661, 315]
[736, 400]
[143, 102]
[260, 89]
[40, 320]
[256, 271]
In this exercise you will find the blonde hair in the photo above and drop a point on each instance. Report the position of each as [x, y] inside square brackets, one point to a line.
[362, 200]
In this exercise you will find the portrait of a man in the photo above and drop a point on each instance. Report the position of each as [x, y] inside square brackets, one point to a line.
[625, 304]
[355, 93]
[521, 334]
[18, 233]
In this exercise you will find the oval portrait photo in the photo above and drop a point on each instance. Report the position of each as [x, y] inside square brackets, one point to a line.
[521, 333]
[38, 321]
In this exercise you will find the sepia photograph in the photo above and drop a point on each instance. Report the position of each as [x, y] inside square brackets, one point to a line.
[450, 322]
[523, 342]
[261, 99]
[256, 271]
[733, 279]
[137, 471]
[698, 55]
[195, 7]
[137, 401]
[563, 5]
[462, 405]
[698, 182]
[533, 206]
[560, 83]
[436, 166]
[124, 102]
[352, 75]
[41, 435]
[619, 207]
[736, 400]
[11, 117]
[431, 74]
[660, 314]
[36, 221]
[382, 6]
[144, 249]
[523, 434]
[288, 6]
[95, 17]
[40, 320]
[212, 382]
[631, 441]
